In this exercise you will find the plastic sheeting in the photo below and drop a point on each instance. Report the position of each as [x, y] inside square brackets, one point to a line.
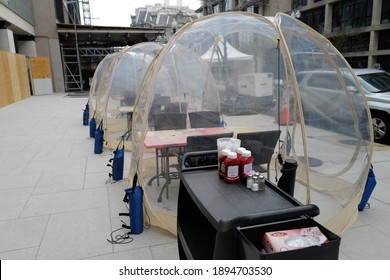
[95, 89]
[119, 83]
[262, 73]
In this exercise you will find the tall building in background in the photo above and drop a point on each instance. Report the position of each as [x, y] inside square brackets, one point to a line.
[165, 16]
[359, 29]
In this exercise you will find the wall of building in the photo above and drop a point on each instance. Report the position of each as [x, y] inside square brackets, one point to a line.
[27, 47]
[47, 41]
[16, 20]
[278, 6]
[363, 45]
[22, 8]
[7, 42]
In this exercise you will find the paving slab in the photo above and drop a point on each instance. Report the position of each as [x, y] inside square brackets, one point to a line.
[76, 235]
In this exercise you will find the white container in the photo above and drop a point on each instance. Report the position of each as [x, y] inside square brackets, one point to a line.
[257, 84]
[227, 143]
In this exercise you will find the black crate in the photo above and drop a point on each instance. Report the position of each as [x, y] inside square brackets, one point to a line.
[250, 246]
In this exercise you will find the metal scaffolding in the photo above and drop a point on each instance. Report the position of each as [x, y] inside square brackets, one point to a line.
[70, 55]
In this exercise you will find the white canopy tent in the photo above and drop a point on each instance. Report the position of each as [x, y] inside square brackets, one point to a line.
[216, 51]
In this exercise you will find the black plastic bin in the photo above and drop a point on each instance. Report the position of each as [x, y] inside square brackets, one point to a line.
[250, 245]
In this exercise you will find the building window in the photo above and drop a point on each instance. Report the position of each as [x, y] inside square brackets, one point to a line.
[358, 62]
[216, 9]
[314, 18]
[60, 12]
[358, 43]
[384, 40]
[298, 3]
[317, 1]
[362, 13]
[384, 61]
[351, 14]
[228, 5]
[253, 9]
[385, 17]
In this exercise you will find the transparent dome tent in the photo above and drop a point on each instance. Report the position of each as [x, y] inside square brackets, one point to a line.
[121, 80]
[258, 73]
[94, 90]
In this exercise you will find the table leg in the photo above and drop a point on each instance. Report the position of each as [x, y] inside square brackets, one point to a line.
[157, 176]
[167, 179]
[129, 126]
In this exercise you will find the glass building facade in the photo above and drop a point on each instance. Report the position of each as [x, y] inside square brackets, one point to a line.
[22, 8]
[358, 28]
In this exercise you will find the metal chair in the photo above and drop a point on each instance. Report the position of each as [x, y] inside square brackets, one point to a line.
[201, 119]
[204, 142]
[262, 145]
[176, 107]
[165, 121]
[158, 105]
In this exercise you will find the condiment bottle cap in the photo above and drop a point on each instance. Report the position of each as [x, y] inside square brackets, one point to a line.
[232, 155]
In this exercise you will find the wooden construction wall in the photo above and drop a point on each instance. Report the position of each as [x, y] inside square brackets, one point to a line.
[14, 81]
[40, 67]
[40, 73]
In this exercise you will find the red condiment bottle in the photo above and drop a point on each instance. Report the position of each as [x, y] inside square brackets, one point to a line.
[221, 159]
[239, 151]
[246, 162]
[232, 167]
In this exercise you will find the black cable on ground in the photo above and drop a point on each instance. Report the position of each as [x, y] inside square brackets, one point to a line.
[124, 238]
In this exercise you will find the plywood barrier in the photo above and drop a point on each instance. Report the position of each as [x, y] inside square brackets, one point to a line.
[41, 75]
[40, 67]
[6, 91]
[14, 83]
[24, 84]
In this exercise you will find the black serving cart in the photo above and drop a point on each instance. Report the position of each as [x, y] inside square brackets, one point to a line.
[216, 220]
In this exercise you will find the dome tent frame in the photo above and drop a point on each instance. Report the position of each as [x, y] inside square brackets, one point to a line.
[342, 174]
[122, 78]
[95, 90]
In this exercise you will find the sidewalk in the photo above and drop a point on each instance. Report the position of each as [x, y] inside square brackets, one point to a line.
[55, 203]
